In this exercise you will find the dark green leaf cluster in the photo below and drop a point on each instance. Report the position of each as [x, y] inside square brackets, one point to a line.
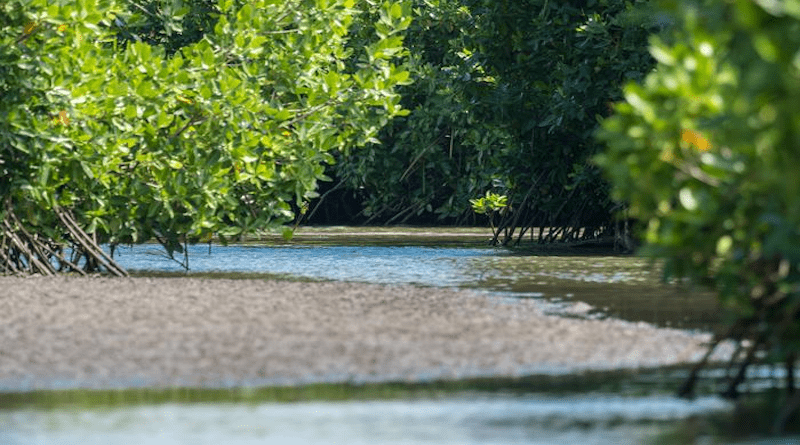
[506, 96]
[707, 151]
[167, 23]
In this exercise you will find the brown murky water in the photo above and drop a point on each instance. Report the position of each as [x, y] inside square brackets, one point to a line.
[623, 287]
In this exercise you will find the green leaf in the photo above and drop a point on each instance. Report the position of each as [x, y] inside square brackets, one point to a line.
[332, 80]
[87, 170]
[163, 119]
[207, 57]
[130, 112]
[401, 77]
[230, 231]
[52, 11]
[396, 11]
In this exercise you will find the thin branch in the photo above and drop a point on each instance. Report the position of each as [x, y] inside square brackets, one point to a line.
[83, 239]
[285, 31]
[143, 9]
[790, 408]
[522, 208]
[34, 245]
[695, 172]
[193, 120]
[414, 161]
[63, 260]
[322, 198]
[34, 263]
[687, 389]
[733, 391]
[309, 112]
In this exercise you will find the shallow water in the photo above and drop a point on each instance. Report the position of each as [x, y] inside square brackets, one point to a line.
[607, 407]
[574, 285]
[569, 285]
[430, 266]
[584, 419]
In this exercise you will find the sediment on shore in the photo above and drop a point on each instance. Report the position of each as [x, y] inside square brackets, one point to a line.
[102, 332]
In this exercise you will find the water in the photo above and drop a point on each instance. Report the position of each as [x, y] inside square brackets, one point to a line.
[584, 419]
[430, 266]
[585, 286]
[590, 286]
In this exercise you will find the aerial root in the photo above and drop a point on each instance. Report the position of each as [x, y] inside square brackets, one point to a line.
[23, 252]
[751, 337]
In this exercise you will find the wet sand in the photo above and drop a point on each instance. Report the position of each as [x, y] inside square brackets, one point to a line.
[99, 332]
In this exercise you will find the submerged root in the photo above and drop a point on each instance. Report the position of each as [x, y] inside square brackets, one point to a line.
[755, 336]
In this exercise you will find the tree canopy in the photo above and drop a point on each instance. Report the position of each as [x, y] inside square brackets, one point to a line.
[109, 137]
[707, 152]
[505, 99]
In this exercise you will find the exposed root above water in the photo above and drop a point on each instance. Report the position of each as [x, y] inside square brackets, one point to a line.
[26, 251]
[772, 326]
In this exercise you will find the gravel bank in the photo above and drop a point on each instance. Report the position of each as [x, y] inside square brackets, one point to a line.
[70, 332]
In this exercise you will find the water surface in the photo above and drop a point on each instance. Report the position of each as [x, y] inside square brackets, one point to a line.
[568, 285]
[574, 285]
[583, 419]
[430, 266]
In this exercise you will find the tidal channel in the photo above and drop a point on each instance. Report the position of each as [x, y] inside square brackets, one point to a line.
[590, 408]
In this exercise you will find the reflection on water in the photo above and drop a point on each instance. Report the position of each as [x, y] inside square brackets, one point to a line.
[619, 286]
[430, 266]
[584, 419]
[586, 286]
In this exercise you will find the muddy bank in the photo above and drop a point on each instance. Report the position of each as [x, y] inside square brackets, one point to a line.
[69, 332]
